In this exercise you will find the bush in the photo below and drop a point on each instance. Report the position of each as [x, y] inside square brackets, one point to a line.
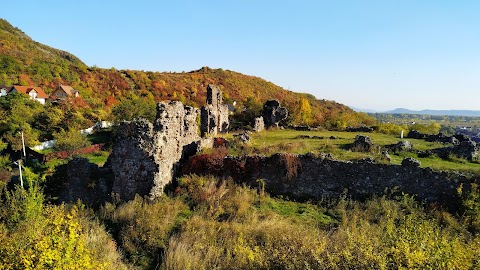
[143, 228]
[34, 236]
[70, 140]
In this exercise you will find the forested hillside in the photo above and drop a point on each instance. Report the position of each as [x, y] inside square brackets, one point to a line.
[26, 62]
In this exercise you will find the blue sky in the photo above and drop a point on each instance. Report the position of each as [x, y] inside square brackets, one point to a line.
[379, 54]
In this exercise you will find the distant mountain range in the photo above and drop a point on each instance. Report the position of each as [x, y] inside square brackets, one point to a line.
[427, 112]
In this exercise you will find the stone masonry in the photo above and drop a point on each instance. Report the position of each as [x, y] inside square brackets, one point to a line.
[273, 113]
[214, 115]
[311, 177]
[145, 156]
[258, 124]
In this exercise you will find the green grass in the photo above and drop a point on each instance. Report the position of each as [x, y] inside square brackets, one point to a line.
[98, 158]
[291, 141]
[269, 138]
[300, 213]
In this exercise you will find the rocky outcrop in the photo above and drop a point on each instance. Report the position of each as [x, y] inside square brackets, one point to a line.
[273, 113]
[359, 129]
[258, 124]
[402, 146]
[466, 149]
[386, 156]
[145, 156]
[414, 134]
[408, 161]
[311, 177]
[214, 115]
[243, 137]
[362, 143]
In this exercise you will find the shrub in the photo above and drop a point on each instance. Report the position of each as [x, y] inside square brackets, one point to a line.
[143, 228]
[34, 236]
[292, 165]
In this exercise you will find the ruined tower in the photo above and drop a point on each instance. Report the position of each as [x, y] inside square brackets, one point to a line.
[214, 115]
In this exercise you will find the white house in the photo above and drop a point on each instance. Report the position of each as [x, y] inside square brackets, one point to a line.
[36, 93]
[4, 90]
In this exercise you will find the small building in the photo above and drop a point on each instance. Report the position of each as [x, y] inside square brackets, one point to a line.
[36, 93]
[63, 92]
[4, 90]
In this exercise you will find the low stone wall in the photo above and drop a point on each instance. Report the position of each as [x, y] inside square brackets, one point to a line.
[310, 177]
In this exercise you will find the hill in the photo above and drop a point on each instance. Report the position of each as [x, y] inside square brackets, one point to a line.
[27, 62]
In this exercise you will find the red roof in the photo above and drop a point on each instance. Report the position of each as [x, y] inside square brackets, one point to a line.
[28, 89]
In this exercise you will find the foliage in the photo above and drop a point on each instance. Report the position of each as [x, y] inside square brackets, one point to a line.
[5, 171]
[384, 234]
[35, 236]
[471, 204]
[432, 128]
[133, 106]
[305, 113]
[392, 129]
[19, 114]
[143, 228]
[265, 233]
[27, 62]
[70, 140]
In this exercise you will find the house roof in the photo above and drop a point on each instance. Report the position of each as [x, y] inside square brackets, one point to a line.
[68, 89]
[28, 89]
[5, 87]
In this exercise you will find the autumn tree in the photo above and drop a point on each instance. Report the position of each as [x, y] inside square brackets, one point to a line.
[134, 106]
[70, 140]
[305, 112]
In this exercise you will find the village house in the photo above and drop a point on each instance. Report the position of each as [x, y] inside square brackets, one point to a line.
[36, 93]
[63, 92]
[4, 90]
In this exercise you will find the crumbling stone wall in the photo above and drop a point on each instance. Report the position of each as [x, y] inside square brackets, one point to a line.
[466, 149]
[307, 176]
[78, 179]
[145, 156]
[362, 143]
[258, 124]
[273, 113]
[462, 145]
[214, 115]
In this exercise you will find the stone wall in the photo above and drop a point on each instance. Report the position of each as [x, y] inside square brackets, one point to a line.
[307, 176]
[78, 179]
[258, 124]
[145, 156]
[273, 113]
[214, 115]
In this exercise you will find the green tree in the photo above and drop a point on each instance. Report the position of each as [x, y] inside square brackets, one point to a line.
[70, 140]
[19, 112]
[134, 106]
